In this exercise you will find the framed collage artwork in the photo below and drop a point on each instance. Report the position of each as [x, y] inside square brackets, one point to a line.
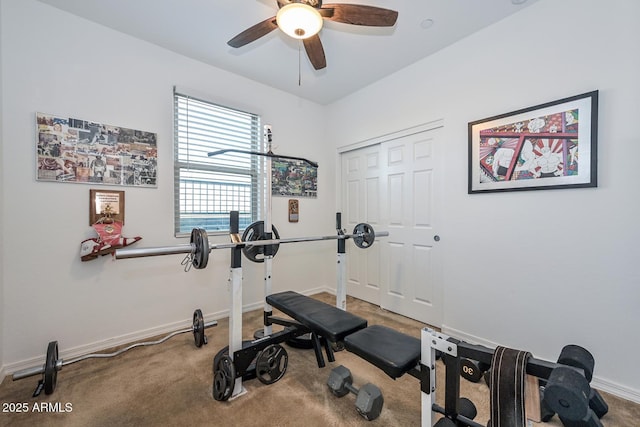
[81, 151]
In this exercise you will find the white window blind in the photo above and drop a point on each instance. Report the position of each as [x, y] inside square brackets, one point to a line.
[207, 188]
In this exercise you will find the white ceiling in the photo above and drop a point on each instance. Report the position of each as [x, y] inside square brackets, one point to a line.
[356, 56]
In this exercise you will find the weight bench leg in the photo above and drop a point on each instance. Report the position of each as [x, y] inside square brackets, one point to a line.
[328, 349]
[317, 349]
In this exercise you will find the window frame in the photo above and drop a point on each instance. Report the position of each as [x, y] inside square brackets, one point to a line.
[255, 172]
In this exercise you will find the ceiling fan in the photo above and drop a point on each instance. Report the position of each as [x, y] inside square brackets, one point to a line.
[302, 19]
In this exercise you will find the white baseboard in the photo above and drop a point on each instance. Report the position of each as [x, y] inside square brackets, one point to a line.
[597, 382]
[3, 373]
[319, 290]
[616, 389]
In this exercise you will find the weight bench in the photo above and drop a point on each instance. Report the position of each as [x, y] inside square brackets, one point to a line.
[392, 351]
[326, 322]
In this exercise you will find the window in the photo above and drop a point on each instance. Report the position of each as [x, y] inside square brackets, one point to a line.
[207, 188]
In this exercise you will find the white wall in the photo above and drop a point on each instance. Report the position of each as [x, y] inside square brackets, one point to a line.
[54, 62]
[541, 268]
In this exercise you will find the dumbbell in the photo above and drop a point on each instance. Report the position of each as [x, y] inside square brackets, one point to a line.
[471, 370]
[578, 357]
[369, 398]
[596, 403]
[567, 393]
[574, 355]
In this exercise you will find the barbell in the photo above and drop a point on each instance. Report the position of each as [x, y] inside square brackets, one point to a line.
[53, 363]
[199, 247]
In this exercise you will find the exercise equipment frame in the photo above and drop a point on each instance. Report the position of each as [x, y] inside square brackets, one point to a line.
[452, 350]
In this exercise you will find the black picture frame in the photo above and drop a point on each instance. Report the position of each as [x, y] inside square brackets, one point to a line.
[544, 147]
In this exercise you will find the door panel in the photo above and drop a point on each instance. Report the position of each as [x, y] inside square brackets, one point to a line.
[395, 186]
[361, 169]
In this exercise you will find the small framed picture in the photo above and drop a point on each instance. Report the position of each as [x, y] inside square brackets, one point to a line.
[548, 146]
[294, 210]
[106, 204]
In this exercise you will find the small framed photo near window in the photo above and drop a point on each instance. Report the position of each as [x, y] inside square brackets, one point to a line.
[106, 205]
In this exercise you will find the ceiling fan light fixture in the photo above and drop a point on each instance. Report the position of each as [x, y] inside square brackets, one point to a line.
[299, 20]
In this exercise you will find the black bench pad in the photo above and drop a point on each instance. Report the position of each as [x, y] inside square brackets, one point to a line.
[324, 319]
[392, 351]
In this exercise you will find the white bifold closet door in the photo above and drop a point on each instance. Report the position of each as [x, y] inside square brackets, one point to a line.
[395, 185]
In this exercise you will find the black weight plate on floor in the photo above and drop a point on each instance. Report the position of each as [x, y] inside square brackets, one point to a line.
[225, 364]
[256, 232]
[251, 370]
[220, 386]
[198, 328]
[224, 378]
[50, 369]
[579, 357]
[567, 393]
[271, 364]
[302, 342]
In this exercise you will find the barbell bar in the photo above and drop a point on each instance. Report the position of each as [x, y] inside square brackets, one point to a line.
[53, 363]
[363, 236]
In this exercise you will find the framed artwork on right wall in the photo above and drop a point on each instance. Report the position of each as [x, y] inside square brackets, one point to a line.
[548, 146]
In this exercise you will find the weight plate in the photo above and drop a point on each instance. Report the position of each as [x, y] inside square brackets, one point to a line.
[200, 240]
[271, 364]
[50, 370]
[198, 328]
[205, 249]
[250, 371]
[220, 386]
[224, 378]
[363, 235]
[226, 365]
[303, 342]
[256, 232]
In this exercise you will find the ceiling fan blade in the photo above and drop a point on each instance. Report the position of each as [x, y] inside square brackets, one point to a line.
[358, 14]
[254, 33]
[315, 52]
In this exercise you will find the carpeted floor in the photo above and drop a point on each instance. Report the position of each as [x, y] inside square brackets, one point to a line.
[171, 385]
